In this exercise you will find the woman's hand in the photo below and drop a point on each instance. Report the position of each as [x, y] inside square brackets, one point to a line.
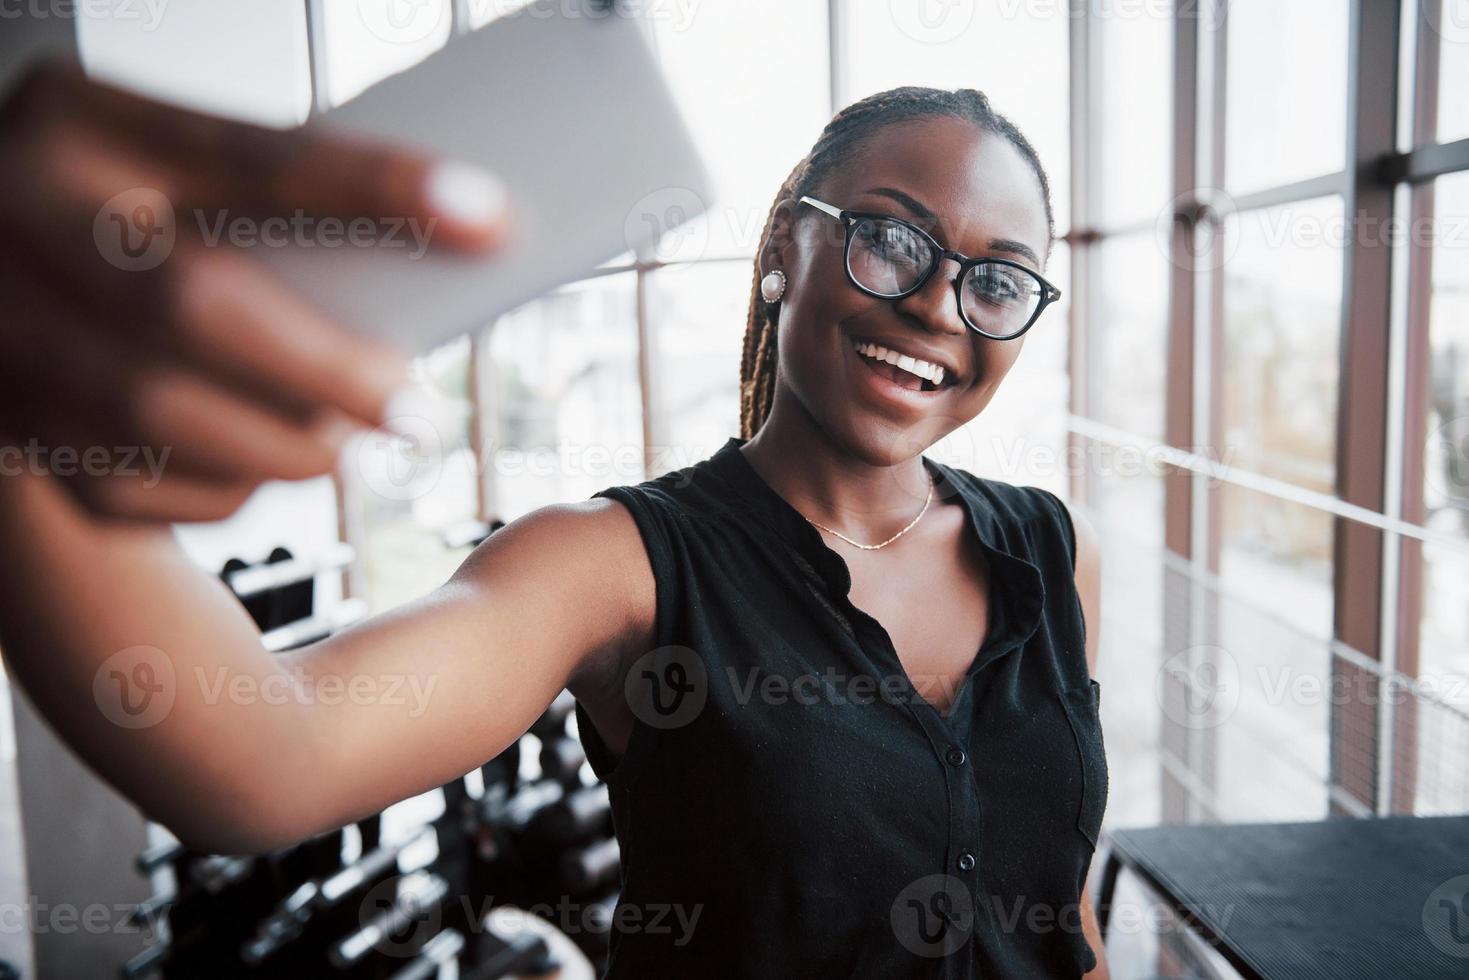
[158, 376]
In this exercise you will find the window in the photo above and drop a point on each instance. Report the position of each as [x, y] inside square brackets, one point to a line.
[1286, 72]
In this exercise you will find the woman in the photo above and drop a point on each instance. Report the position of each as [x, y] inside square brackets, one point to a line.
[841, 693]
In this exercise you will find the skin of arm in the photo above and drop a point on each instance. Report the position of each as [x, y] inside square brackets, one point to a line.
[259, 750]
[1089, 587]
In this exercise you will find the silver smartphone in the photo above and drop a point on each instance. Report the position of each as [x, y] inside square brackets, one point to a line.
[563, 101]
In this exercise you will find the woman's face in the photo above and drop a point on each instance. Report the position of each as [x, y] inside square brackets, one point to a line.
[973, 192]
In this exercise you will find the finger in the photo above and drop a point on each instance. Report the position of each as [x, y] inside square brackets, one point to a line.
[55, 371]
[139, 498]
[212, 309]
[234, 320]
[222, 435]
[214, 162]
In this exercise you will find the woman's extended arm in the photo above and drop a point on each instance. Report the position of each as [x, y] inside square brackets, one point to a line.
[257, 750]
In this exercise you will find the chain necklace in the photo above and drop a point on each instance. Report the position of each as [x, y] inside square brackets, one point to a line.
[873, 547]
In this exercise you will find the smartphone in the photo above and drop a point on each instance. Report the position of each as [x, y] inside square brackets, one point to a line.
[563, 101]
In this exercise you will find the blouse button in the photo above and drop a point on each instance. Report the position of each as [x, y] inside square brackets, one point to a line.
[955, 756]
[966, 861]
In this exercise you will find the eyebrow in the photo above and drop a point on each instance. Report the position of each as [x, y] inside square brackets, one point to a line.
[916, 207]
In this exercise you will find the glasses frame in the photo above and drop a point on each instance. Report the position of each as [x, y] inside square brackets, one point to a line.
[849, 220]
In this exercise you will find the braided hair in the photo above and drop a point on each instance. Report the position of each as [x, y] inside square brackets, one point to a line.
[846, 132]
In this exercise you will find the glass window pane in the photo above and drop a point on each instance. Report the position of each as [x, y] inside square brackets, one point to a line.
[1128, 340]
[414, 488]
[365, 41]
[752, 81]
[565, 400]
[1444, 643]
[1452, 27]
[697, 315]
[1017, 54]
[1282, 329]
[242, 60]
[1268, 627]
[1276, 555]
[1133, 118]
[1285, 91]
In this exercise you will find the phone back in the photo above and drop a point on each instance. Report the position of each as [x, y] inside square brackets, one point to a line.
[566, 104]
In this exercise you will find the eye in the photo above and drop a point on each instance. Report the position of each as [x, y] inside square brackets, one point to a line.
[1001, 286]
[894, 242]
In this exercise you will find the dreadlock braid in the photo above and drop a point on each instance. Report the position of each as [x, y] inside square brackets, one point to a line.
[846, 132]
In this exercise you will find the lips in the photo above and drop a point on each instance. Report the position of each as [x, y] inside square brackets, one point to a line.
[890, 390]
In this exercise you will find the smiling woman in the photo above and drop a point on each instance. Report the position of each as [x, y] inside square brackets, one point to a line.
[948, 771]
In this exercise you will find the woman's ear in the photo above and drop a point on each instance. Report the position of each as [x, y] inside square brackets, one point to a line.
[775, 251]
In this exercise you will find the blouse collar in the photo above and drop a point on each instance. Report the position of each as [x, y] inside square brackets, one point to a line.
[1017, 581]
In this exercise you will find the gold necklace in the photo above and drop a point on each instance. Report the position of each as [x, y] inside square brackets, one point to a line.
[884, 544]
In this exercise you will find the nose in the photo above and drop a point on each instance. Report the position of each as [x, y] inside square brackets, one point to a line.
[934, 305]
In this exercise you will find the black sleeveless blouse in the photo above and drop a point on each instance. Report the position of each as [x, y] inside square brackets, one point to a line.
[789, 806]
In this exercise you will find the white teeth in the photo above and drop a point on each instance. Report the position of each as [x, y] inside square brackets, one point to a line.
[923, 369]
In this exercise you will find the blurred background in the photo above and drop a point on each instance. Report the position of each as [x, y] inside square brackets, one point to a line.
[1262, 405]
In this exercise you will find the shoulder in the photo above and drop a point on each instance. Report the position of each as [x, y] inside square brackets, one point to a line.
[585, 558]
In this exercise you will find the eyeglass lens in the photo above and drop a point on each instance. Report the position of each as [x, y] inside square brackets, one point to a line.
[889, 259]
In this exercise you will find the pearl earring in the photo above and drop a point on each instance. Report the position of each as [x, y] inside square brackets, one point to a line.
[773, 286]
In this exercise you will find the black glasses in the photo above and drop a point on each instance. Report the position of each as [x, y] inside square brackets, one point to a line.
[890, 258]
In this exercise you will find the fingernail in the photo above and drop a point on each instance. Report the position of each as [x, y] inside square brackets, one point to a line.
[412, 406]
[463, 192]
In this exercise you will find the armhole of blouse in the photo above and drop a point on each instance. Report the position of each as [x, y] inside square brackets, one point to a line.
[1063, 518]
[652, 527]
[1063, 514]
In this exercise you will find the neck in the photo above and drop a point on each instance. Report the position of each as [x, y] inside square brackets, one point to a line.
[832, 484]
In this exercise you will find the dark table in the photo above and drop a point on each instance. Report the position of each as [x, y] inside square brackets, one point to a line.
[1340, 899]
